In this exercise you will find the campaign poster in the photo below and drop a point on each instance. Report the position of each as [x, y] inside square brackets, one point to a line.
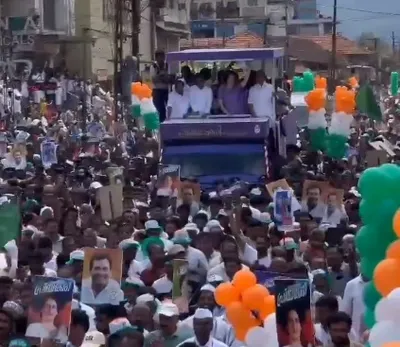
[101, 277]
[267, 279]
[168, 180]
[293, 313]
[48, 153]
[49, 314]
[283, 213]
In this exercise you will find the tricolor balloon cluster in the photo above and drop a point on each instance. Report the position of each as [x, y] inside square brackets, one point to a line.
[378, 243]
[339, 129]
[316, 100]
[250, 309]
[142, 105]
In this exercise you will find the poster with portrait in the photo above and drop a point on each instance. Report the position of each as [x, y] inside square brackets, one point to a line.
[335, 212]
[283, 213]
[101, 277]
[48, 153]
[168, 180]
[189, 188]
[49, 314]
[293, 313]
[312, 200]
[282, 184]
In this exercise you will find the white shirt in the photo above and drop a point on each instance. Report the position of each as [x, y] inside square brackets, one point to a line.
[335, 218]
[324, 337]
[111, 294]
[197, 264]
[222, 331]
[250, 256]
[211, 342]
[52, 263]
[201, 99]
[353, 304]
[261, 97]
[219, 270]
[135, 268]
[179, 104]
[38, 330]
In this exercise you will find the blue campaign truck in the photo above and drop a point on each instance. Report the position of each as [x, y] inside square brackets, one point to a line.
[221, 147]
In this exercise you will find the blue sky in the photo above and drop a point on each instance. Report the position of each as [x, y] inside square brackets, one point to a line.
[356, 22]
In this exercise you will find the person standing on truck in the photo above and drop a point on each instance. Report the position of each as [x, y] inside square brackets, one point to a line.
[178, 101]
[261, 96]
[200, 96]
[232, 95]
[160, 78]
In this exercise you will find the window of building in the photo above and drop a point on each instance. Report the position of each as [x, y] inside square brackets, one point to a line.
[49, 15]
[251, 3]
[231, 10]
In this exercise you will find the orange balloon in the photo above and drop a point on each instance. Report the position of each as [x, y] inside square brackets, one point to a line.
[321, 82]
[253, 297]
[387, 276]
[135, 88]
[225, 294]
[146, 92]
[391, 344]
[243, 280]
[236, 313]
[393, 251]
[396, 223]
[268, 307]
[241, 333]
[315, 99]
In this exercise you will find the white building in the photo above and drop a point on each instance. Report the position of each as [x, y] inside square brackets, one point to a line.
[80, 33]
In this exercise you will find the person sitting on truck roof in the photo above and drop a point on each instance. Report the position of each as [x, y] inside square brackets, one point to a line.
[232, 95]
[178, 101]
[200, 97]
[261, 98]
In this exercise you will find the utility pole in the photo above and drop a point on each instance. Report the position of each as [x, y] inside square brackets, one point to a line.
[118, 51]
[135, 27]
[332, 72]
[286, 35]
[393, 43]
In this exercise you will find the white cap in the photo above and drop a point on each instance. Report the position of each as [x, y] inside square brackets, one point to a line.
[208, 287]
[212, 225]
[95, 185]
[176, 249]
[145, 298]
[256, 191]
[46, 208]
[203, 313]
[134, 281]
[191, 226]
[78, 254]
[118, 324]
[181, 234]
[124, 244]
[214, 278]
[168, 309]
[264, 217]
[222, 212]
[151, 224]
[93, 339]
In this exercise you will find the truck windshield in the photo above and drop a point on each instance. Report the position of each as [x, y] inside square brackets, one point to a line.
[217, 160]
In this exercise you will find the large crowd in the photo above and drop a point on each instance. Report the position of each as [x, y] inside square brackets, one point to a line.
[62, 141]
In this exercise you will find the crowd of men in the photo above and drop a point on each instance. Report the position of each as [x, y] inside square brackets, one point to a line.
[216, 235]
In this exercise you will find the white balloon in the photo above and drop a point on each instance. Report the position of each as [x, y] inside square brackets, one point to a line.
[256, 337]
[395, 293]
[388, 309]
[270, 323]
[384, 332]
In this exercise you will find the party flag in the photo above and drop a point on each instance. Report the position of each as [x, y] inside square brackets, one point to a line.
[10, 222]
[366, 103]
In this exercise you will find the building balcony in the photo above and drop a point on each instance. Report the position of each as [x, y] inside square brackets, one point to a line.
[173, 20]
[50, 17]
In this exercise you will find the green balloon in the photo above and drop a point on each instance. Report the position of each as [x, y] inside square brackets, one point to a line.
[371, 296]
[368, 187]
[336, 146]
[367, 211]
[368, 265]
[318, 139]
[369, 318]
[372, 242]
[151, 121]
